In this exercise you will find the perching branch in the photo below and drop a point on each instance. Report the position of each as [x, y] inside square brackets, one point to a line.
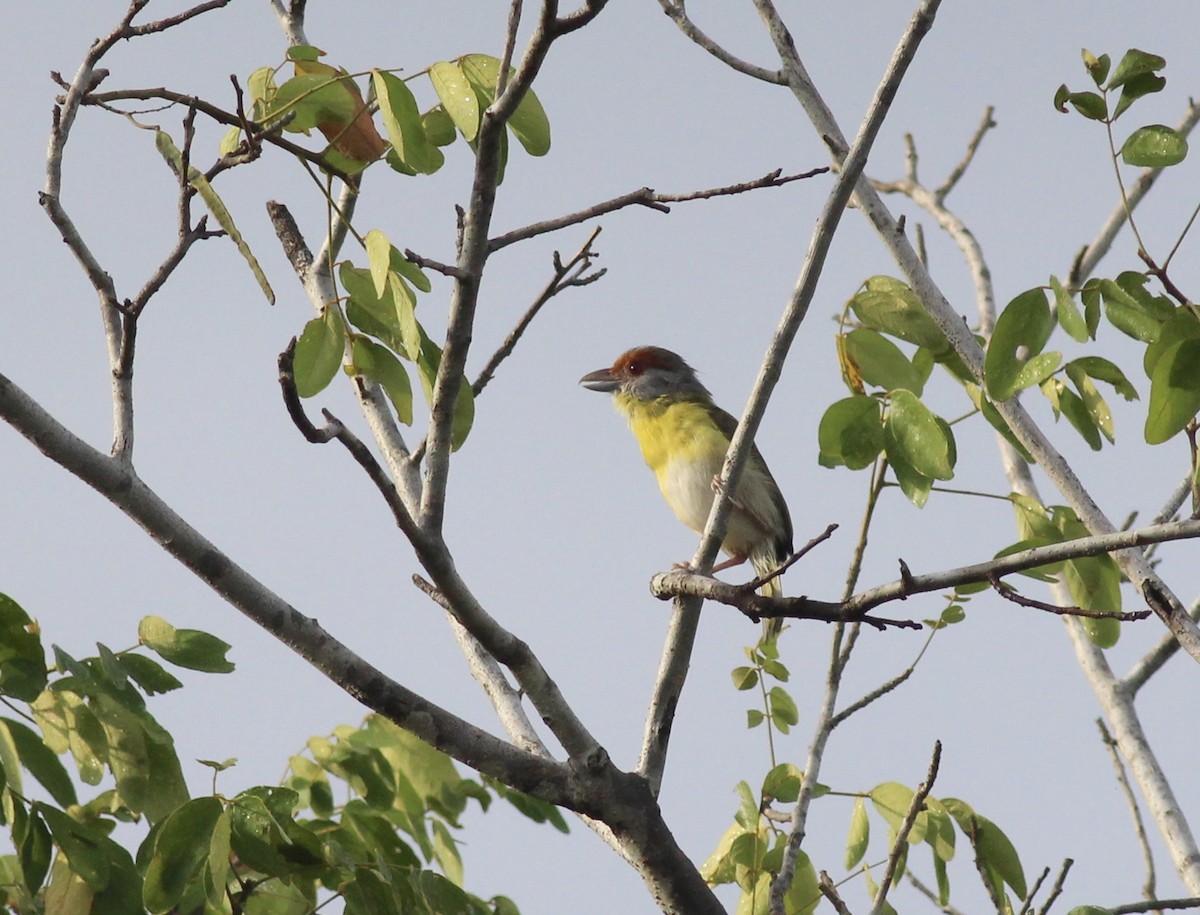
[681, 582]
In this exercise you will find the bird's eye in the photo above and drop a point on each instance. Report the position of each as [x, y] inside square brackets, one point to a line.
[633, 367]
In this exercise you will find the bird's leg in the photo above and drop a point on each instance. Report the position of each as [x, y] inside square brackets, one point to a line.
[729, 563]
[719, 567]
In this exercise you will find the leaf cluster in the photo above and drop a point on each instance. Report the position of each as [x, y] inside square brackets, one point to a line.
[387, 845]
[935, 826]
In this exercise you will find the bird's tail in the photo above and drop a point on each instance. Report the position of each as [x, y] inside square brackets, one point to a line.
[773, 625]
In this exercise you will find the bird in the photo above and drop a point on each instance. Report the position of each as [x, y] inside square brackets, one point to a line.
[684, 435]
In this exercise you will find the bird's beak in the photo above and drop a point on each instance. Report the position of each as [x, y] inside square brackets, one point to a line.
[600, 380]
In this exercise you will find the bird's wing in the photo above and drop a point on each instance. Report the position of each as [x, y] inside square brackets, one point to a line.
[780, 529]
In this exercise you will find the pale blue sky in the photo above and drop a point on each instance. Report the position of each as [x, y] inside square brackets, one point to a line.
[552, 517]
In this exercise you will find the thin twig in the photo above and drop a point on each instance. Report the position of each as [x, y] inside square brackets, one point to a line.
[678, 14]
[566, 275]
[829, 891]
[956, 173]
[647, 197]
[1139, 827]
[1155, 905]
[1056, 890]
[906, 825]
[1008, 593]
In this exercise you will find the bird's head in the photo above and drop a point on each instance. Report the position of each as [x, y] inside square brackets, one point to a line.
[647, 373]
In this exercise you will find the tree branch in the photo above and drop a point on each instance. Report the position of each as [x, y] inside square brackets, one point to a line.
[678, 14]
[686, 582]
[121, 486]
[647, 197]
[1139, 828]
[572, 273]
[681, 636]
[906, 825]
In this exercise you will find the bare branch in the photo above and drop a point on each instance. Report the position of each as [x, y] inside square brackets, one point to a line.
[572, 273]
[1155, 905]
[681, 635]
[1008, 593]
[1154, 659]
[1056, 890]
[829, 891]
[121, 486]
[1139, 827]
[685, 583]
[959, 170]
[906, 825]
[681, 582]
[676, 13]
[647, 197]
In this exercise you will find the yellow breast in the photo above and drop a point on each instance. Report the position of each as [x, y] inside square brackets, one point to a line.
[683, 447]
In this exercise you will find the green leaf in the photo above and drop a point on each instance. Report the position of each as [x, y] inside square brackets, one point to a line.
[457, 97]
[438, 126]
[312, 99]
[379, 255]
[319, 352]
[940, 834]
[1094, 582]
[889, 306]
[851, 433]
[1127, 314]
[1025, 324]
[745, 678]
[1066, 402]
[1174, 391]
[754, 717]
[1135, 63]
[1182, 325]
[880, 362]
[216, 206]
[22, 658]
[81, 846]
[1097, 67]
[1154, 146]
[410, 271]
[1089, 104]
[996, 421]
[188, 648]
[913, 432]
[381, 366]
[860, 834]
[180, 850]
[147, 673]
[464, 402]
[1067, 313]
[41, 762]
[914, 484]
[892, 800]
[1145, 84]
[1101, 369]
[528, 122]
[34, 849]
[402, 122]
[783, 783]
[1095, 404]
[784, 713]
